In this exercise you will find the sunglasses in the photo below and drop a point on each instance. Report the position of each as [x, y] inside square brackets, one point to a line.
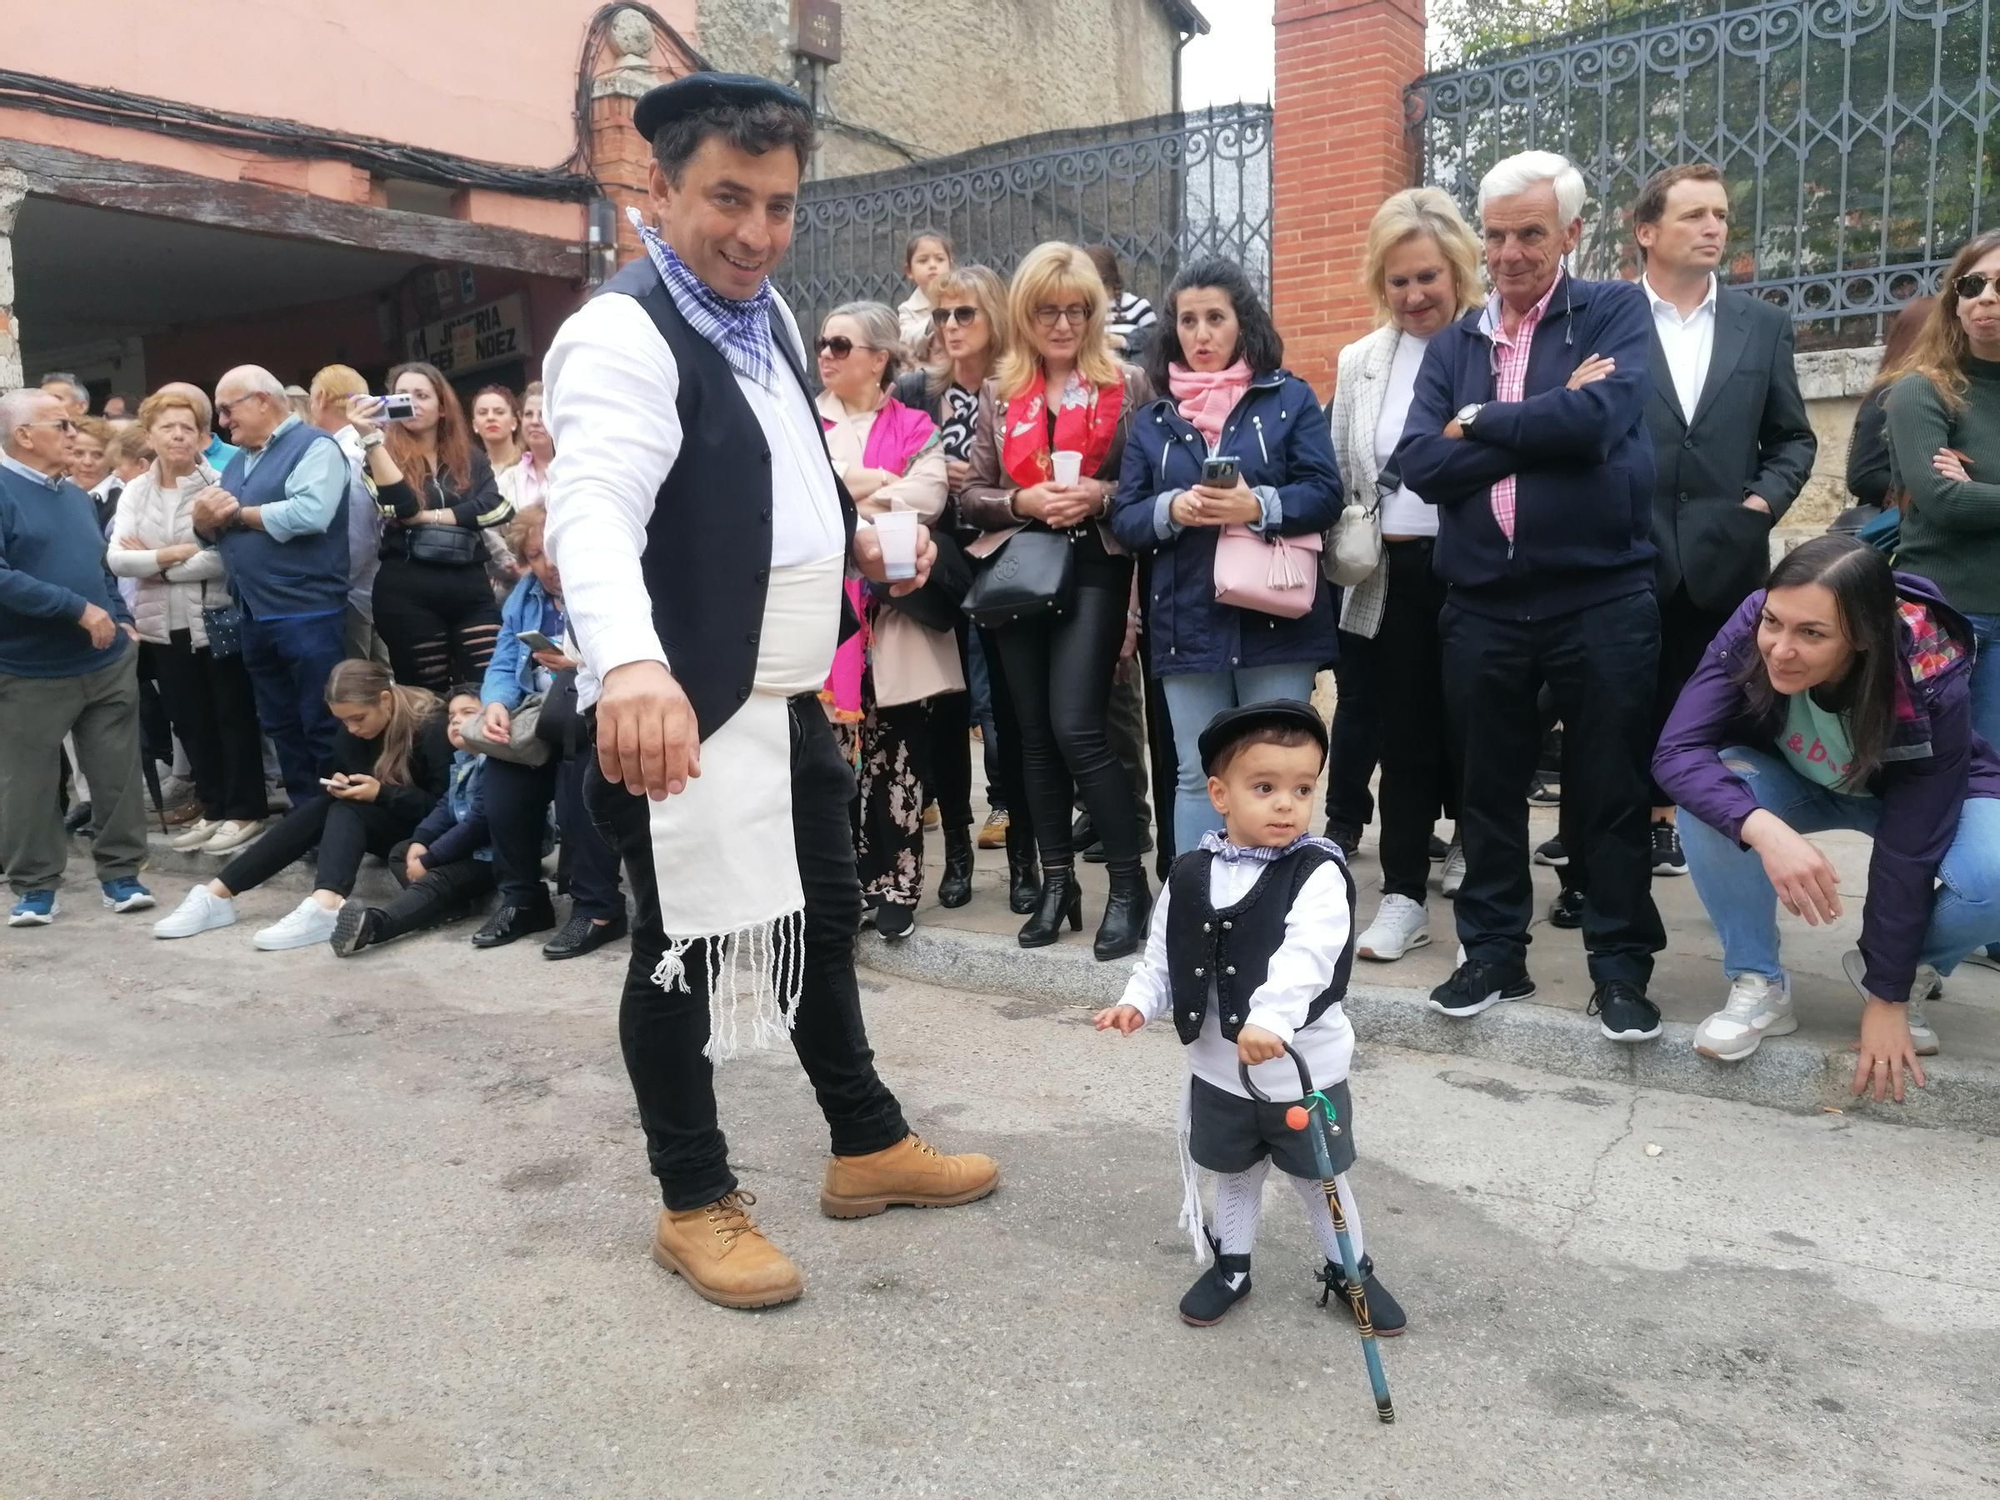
[839, 346]
[1973, 284]
[1048, 317]
[962, 316]
[61, 424]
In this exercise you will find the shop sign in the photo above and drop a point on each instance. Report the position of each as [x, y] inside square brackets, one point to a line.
[491, 335]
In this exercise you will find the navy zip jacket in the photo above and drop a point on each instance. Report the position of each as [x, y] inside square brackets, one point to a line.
[1582, 460]
[1279, 437]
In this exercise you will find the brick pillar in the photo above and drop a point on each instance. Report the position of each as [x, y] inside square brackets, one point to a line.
[619, 158]
[1340, 146]
[13, 189]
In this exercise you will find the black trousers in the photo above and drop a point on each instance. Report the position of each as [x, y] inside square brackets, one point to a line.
[1356, 738]
[948, 775]
[663, 1032]
[445, 894]
[1420, 764]
[1600, 663]
[211, 706]
[1006, 770]
[1686, 633]
[1058, 670]
[439, 623]
[346, 833]
[517, 811]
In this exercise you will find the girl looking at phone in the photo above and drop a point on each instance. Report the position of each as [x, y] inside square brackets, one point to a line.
[1239, 442]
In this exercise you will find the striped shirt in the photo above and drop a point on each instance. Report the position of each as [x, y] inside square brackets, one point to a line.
[1510, 380]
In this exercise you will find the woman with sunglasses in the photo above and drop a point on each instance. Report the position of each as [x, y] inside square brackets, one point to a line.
[885, 677]
[1059, 389]
[1944, 435]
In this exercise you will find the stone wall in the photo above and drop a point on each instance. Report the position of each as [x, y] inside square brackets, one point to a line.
[1833, 382]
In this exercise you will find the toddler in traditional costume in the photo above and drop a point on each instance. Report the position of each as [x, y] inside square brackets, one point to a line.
[1250, 948]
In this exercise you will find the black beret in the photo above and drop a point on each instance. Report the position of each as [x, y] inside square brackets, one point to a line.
[699, 91]
[1229, 726]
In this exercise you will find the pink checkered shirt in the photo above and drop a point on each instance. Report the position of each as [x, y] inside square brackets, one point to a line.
[1510, 381]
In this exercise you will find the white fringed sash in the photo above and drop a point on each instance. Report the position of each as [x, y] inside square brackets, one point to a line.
[724, 854]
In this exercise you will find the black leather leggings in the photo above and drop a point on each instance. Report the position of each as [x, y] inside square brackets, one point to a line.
[1059, 674]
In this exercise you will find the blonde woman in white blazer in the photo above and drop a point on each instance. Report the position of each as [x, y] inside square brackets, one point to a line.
[1423, 271]
[207, 696]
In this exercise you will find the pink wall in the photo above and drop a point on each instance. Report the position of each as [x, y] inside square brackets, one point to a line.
[448, 74]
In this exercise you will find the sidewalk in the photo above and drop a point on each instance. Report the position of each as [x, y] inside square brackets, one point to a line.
[973, 948]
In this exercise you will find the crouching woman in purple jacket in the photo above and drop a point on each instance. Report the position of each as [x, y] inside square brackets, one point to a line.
[1838, 697]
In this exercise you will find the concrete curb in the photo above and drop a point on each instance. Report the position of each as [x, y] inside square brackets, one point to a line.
[1786, 1073]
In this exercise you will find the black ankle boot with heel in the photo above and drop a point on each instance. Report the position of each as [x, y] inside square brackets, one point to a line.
[1061, 900]
[955, 889]
[1125, 911]
[1024, 871]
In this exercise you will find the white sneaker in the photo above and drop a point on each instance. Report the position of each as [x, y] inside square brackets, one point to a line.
[308, 925]
[1400, 924]
[196, 834]
[201, 910]
[1925, 984]
[234, 835]
[1454, 870]
[1757, 1007]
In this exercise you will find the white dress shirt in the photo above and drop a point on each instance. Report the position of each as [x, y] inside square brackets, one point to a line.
[1316, 931]
[611, 381]
[1689, 343]
[1403, 514]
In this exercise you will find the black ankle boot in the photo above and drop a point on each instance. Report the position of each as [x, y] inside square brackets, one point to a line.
[1385, 1313]
[1221, 1287]
[956, 887]
[1060, 898]
[1131, 902]
[1024, 871]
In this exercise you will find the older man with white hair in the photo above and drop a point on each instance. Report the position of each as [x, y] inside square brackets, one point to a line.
[72, 392]
[1528, 432]
[67, 667]
[279, 516]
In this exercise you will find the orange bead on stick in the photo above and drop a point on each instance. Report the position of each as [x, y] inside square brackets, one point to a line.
[1296, 1117]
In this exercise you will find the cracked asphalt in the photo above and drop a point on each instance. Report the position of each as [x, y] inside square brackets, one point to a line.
[279, 1225]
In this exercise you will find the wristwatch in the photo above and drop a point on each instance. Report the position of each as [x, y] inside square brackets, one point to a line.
[1466, 414]
[373, 440]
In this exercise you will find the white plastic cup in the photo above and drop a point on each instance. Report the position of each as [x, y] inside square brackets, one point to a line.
[897, 531]
[1069, 469]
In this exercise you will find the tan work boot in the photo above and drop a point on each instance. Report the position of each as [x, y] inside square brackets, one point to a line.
[910, 1174]
[720, 1252]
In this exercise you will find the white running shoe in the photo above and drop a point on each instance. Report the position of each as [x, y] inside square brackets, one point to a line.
[201, 910]
[1400, 924]
[235, 834]
[1757, 1007]
[1454, 870]
[307, 926]
[1925, 985]
[196, 834]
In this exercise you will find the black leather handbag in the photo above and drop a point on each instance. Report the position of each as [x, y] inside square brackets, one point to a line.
[939, 604]
[443, 546]
[1033, 574]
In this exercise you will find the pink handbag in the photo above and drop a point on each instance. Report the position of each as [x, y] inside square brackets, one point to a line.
[1275, 576]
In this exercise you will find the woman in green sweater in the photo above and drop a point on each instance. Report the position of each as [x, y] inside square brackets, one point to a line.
[1944, 432]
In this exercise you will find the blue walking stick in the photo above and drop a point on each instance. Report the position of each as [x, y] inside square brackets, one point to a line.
[1314, 1114]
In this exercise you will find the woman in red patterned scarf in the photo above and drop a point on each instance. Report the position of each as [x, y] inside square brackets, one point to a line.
[1060, 390]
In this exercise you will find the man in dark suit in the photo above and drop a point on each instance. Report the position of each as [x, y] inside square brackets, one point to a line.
[1731, 443]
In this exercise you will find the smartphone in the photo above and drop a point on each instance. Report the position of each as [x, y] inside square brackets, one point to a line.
[534, 640]
[1219, 473]
[399, 407]
[327, 781]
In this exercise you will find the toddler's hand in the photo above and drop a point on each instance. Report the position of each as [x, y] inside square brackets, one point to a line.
[1123, 1019]
[1255, 1045]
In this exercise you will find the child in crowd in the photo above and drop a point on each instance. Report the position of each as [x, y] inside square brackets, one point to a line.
[447, 862]
[926, 258]
[1250, 947]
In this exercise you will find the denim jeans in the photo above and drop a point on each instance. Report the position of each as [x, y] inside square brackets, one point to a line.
[1193, 698]
[289, 660]
[1744, 907]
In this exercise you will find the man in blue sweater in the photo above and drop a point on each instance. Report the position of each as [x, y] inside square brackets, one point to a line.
[68, 665]
[1528, 432]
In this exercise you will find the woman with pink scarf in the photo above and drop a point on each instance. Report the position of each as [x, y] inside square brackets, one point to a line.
[884, 676]
[1218, 354]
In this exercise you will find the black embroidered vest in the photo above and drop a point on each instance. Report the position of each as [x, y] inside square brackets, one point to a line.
[1229, 951]
[707, 562]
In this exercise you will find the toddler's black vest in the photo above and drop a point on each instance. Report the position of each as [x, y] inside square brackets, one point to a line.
[1231, 949]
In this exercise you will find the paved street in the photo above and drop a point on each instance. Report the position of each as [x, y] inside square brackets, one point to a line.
[282, 1225]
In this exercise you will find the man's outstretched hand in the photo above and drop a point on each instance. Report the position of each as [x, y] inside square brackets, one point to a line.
[647, 740]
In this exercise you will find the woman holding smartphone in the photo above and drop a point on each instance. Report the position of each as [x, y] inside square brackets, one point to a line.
[1239, 442]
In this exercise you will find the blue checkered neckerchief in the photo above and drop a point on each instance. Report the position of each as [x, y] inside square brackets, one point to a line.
[1216, 843]
[740, 331]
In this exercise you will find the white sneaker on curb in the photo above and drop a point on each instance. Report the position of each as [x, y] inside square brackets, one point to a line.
[307, 926]
[197, 833]
[1400, 924]
[1757, 1007]
[1453, 875]
[201, 910]
[235, 834]
[1925, 985]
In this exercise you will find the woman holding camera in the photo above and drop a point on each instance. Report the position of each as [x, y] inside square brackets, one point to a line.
[433, 606]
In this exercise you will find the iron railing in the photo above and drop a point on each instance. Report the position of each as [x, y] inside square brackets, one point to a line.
[1160, 191]
[1860, 139]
